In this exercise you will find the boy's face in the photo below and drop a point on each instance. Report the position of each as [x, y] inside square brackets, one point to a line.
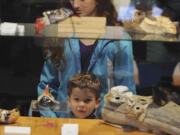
[82, 102]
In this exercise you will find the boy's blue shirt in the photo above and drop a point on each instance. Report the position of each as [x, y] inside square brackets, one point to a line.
[118, 52]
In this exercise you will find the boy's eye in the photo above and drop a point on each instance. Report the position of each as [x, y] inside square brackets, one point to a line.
[76, 99]
[87, 100]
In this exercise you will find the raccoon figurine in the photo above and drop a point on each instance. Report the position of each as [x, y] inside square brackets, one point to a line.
[9, 116]
[165, 92]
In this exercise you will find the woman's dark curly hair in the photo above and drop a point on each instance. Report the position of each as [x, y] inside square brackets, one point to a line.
[106, 8]
[53, 49]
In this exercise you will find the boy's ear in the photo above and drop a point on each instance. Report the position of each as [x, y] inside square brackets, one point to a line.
[97, 103]
[68, 101]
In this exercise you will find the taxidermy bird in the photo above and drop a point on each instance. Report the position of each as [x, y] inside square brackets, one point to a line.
[46, 99]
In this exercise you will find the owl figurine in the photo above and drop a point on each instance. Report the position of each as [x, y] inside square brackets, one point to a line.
[124, 108]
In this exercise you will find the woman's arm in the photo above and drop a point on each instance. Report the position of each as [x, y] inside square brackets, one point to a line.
[49, 76]
[122, 59]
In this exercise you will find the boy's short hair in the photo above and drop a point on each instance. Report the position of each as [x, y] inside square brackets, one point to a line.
[85, 80]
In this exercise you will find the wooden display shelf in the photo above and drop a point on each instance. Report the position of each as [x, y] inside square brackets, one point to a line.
[52, 126]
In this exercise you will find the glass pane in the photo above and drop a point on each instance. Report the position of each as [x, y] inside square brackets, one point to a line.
[22, 55]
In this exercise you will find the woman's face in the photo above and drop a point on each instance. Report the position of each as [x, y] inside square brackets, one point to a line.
[84, 7]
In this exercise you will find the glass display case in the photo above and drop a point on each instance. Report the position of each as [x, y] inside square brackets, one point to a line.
[155, 55]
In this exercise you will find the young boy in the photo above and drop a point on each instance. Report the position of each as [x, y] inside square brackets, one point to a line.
[84, 95]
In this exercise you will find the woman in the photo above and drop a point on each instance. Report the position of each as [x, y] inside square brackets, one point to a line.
[84, 55]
